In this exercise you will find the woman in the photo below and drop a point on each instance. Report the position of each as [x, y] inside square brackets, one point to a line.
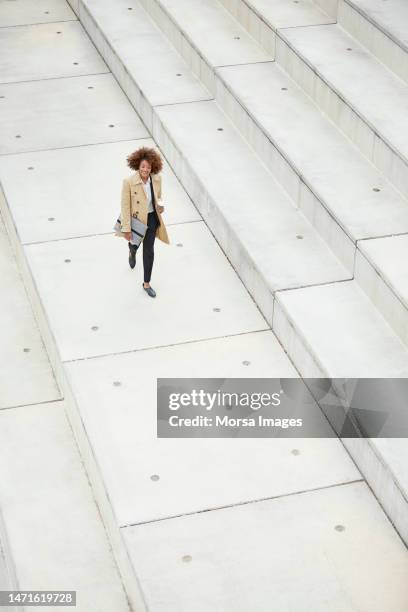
[137, 201]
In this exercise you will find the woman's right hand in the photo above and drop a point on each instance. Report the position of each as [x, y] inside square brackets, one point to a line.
[128, 236]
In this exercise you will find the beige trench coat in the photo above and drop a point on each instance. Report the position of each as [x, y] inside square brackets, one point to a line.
[134, 202]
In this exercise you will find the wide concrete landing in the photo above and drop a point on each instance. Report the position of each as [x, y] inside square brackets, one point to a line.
[116, 399]
[65, 112]
[97, 288]
[76, 191]
[43, 51]
[26, 375]
[55, 534]
[323, 550]
[284, 247]
[23, 12]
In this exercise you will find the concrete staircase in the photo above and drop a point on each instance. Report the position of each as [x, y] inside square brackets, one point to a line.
[298, 170]
[328, 121]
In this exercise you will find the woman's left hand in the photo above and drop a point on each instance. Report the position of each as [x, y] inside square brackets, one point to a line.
[160, 208]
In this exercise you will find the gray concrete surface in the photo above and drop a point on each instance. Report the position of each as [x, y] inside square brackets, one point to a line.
[195, 474]
[22, 349]
[300, 552]
[380, 28]
[361, 95]
[226, 525]
[56, 537]
[307, 154]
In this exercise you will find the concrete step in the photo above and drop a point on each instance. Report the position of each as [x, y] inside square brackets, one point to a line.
[122, 41]
[361, 95]
[381, 28]
[229, 42]
[330, 7]
[319, 326]
[308, 155]
[283, 249]
[262, 19]
[381, 271]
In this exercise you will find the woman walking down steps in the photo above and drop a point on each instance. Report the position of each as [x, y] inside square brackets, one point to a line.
[137, 201]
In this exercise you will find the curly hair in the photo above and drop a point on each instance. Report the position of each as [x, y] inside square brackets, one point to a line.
[150, 155]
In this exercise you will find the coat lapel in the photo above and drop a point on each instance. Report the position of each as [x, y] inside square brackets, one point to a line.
[137, 180]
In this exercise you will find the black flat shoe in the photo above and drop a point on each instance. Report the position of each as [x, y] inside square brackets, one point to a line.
[149, 290]
[132, 255]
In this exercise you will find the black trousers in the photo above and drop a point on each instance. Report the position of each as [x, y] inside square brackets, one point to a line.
[148, 245]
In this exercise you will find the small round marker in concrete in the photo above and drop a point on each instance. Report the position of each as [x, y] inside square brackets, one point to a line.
[94, 328]
[26, 350]
[30, 168]
[217, 309]
[187, 558]
[130, 8]
[299, 236]
[47, 12]
[18, 136]
[179, 244]
[220, 129]
[67, 260]
[237, 38]
[59, 32]
[246, 363]
[284, 88]
[178, 74]
[75, 63]
[51, 218]
[377, 189]
[295, 451]
[155, 477]
[2, 96]
[349, 49]
[90, 86]
[340, 528]
[117, 383]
